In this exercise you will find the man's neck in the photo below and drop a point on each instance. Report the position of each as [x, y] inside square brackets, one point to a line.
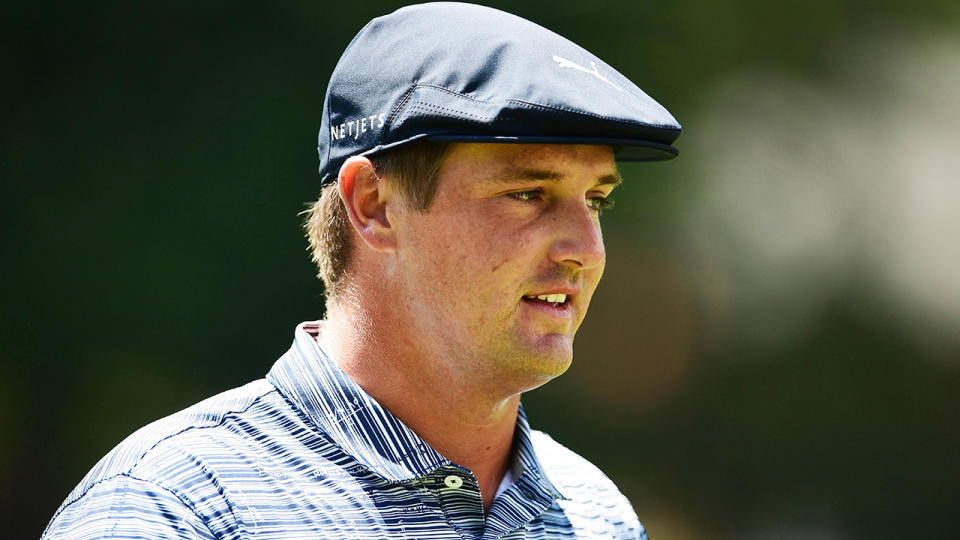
[462, 423]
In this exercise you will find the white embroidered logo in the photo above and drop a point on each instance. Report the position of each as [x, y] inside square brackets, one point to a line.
[356, 127]
[564, 63]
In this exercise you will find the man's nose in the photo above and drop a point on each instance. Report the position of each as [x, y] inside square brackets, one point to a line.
[578, 242]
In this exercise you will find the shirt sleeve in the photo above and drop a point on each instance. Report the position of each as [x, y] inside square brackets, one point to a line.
[126, 507]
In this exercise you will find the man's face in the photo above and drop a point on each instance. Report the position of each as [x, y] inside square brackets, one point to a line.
[510, 224]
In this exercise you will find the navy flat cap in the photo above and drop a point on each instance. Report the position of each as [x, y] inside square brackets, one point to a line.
[448, 71]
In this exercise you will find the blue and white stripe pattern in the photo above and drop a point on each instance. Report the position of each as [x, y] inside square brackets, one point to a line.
[306, 453]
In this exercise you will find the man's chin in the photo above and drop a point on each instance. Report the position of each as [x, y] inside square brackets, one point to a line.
[548, 356]
[555, 344]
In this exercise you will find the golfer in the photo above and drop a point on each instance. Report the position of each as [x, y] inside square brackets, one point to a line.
[465, 157]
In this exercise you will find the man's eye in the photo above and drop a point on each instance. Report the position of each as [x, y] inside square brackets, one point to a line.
[600, 203]
[529, 195]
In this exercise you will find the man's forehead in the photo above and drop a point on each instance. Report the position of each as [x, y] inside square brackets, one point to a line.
[500, 163]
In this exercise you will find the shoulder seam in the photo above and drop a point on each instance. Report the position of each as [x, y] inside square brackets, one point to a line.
[183, 500]
[128, 471]
[186, 503]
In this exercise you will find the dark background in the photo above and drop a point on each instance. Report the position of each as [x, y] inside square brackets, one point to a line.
[774, 351]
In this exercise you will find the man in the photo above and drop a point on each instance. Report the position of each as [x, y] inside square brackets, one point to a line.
[465, 156]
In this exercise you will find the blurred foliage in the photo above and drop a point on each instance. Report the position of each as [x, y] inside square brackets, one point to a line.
[155, 157]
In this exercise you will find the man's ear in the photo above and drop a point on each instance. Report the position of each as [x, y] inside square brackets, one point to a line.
[365, 198]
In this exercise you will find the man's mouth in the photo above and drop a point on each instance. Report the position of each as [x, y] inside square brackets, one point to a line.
[555, 300]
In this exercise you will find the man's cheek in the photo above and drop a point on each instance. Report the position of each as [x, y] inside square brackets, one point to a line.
[498, 263]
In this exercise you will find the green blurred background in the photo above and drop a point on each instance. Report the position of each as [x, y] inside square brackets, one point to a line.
[774, 351]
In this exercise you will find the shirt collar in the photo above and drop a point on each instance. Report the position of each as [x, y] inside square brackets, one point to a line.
[354, 420]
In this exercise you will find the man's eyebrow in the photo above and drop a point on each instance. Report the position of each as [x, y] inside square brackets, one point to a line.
[611, 179]
[520, 175]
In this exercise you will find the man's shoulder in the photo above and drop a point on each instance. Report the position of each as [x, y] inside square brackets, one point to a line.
[145, 452]
[569, 471]
[588, 494]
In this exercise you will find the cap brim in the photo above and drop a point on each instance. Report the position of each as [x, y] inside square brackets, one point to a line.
[623, 149]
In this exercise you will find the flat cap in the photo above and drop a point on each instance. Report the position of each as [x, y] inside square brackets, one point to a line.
[449, 71]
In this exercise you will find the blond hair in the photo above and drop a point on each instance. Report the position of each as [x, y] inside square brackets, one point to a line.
[412, 169]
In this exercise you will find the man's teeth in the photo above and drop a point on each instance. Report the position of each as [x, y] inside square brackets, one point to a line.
[552, 298]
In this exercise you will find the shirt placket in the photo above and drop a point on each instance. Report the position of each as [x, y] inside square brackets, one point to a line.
[459, 494]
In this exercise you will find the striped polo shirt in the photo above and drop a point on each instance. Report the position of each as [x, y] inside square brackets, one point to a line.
[306, 453]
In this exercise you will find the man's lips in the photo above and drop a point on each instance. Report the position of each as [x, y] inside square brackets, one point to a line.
[555, 310]
[570, 291]
[556, 301]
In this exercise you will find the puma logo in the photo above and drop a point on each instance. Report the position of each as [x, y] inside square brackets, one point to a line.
[564, 63]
